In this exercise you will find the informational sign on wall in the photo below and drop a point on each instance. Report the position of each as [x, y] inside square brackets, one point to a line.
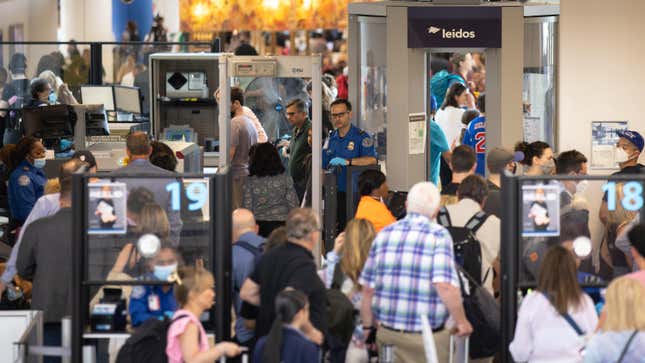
[454, 27]
[540, 210]
[416, 133]
[604, 136]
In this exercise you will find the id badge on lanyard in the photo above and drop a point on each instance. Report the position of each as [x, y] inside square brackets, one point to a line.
[153, 302]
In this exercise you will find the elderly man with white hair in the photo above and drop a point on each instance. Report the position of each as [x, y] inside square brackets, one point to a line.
[411, 272]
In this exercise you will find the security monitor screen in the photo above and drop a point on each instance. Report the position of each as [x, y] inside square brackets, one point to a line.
[127, 99]
[98, 95]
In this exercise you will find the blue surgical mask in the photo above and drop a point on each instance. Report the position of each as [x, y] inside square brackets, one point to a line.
[40, 163]
[53, 98]
[162, 272]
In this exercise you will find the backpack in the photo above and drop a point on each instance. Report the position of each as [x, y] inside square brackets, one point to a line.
[340, 311]
[468, 252]
[147, 343]
[440, 82]
[484, 314]
[255, 251]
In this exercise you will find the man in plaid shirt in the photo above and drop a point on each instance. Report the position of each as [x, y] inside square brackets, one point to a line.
[411, 272]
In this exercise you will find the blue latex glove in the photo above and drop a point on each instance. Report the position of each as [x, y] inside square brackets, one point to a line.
[338, 162]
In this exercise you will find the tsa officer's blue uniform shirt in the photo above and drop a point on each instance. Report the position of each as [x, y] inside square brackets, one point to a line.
[475, 137]
[26, 185]
[150, 302]
[356, 143]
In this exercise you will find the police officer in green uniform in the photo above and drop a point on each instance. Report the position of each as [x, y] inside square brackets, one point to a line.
[347, 145]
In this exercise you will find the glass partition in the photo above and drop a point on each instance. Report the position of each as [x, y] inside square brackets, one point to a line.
[137, 233]
[588, 215]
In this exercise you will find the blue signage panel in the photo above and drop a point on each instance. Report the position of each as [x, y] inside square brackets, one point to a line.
[455, 27]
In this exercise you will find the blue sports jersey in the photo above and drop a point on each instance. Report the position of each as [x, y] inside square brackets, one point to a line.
[475, 137]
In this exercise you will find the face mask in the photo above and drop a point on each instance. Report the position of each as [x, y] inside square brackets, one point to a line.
[53, 98]
[40, 163]
[163, 272]
[547, 169]
[582, 186]
[620, 155]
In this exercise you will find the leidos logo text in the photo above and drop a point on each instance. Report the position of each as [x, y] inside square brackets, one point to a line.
[452, 33]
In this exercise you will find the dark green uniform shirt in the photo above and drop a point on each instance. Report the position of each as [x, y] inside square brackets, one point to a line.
[298, 150]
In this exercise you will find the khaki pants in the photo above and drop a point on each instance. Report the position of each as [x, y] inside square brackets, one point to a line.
[408, 348]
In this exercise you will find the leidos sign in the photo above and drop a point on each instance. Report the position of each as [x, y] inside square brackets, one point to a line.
[454, 27]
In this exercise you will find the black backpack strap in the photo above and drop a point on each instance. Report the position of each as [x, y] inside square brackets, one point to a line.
[626, 348]
[443, 218]
[476, 221]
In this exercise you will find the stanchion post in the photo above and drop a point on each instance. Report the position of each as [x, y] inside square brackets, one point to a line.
[510, 240]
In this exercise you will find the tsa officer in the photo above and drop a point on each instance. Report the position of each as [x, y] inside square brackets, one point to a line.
[27, 180]
[155, 301]
[347, 145]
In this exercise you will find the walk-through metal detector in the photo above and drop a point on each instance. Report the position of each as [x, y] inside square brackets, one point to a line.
[390, 44]
[307, 67]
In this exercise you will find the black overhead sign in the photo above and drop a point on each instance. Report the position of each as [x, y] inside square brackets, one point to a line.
[455, 27]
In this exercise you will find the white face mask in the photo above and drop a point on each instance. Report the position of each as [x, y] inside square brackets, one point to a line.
[582, 186]
[549, 167]
[620, 155]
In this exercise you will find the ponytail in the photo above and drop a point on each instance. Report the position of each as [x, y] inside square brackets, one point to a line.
[287, 304]
[534, 149]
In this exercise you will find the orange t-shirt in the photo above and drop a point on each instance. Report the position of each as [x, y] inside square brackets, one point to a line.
[374, 211]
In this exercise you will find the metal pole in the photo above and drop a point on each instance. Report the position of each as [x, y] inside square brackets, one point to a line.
[66, 334]
[78, 200]
[223, 256]
[316, 142]
[509, 255]
[96, 64]
[224, 111]
[89, 354]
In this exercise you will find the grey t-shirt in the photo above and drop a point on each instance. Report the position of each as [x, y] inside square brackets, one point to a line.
[243, 136]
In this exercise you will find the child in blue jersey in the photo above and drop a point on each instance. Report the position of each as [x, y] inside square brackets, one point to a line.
[475, 136]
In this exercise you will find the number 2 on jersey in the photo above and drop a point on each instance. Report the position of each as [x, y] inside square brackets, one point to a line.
[480, 142]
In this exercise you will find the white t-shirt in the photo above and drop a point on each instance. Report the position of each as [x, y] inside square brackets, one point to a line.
[449, 119]
[542, 335]
[262, 135]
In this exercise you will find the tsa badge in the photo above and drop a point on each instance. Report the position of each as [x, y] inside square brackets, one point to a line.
[350, 146]
[24, 180]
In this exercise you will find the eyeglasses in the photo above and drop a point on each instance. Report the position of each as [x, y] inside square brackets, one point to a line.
[339, 115]
[289, 114]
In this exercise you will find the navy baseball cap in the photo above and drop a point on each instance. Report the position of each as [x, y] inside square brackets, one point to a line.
[633, 137]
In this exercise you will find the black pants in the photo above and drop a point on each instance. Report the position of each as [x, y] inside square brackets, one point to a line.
[266, 227]
[445, 173]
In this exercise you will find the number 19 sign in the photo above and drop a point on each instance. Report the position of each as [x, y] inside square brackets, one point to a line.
[195, 192]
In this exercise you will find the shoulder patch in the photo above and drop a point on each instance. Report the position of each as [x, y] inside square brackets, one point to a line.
[138, 292]
[367, 142]
[24, 180]
[25, 168]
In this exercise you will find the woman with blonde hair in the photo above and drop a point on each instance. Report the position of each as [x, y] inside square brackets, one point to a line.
[620, 338]
[344, 266]
[553, 321]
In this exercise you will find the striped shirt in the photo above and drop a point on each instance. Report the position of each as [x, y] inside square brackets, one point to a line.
[405, 260]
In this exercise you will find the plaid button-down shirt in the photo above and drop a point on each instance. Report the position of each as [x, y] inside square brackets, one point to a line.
[405, 260]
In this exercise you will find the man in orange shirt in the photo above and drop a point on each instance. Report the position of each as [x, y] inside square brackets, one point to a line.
[373, 189]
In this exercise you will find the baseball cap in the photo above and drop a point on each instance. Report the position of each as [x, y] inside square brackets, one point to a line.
[85, 156]
[633, 137]
[497, 158]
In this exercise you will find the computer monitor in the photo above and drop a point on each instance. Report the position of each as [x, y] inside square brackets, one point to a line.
[127, 99]
[103, 95]
[50, 123]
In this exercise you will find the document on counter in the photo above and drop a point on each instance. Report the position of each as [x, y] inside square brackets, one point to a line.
[416, 133]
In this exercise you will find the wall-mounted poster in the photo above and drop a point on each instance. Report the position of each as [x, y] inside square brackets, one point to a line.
[540, 210]
[604, 136]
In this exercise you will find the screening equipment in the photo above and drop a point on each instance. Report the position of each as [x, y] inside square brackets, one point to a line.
[127, 99]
